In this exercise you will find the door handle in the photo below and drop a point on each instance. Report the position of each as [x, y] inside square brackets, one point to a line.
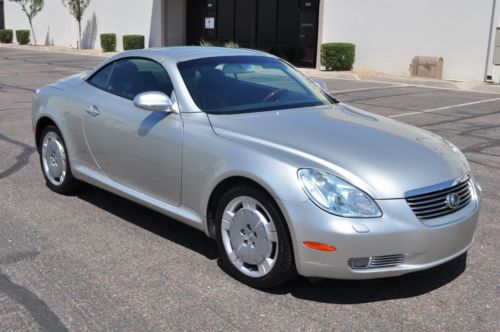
[92, 110]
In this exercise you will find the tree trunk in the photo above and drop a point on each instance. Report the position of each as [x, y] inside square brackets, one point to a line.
[80, 34]
[32, 31]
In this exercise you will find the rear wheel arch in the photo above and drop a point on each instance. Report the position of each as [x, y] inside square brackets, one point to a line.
[62, 181]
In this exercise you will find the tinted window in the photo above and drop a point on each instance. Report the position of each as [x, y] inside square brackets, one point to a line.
[234, 84]
[272, 77]
[100, 79]
[132, 76]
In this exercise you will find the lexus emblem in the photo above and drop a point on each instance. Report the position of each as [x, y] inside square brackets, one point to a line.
[453, 200]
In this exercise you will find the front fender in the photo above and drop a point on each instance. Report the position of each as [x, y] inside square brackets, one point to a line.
[209, 159]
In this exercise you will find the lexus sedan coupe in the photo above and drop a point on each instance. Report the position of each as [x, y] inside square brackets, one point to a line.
[242, 146]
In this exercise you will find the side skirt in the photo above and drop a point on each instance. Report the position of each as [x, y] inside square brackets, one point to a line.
[182, 213]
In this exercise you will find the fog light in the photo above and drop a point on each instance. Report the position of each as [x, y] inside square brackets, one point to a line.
[360, 262]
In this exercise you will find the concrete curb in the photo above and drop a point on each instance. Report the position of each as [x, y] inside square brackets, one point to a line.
[59, 49]
[346, 75]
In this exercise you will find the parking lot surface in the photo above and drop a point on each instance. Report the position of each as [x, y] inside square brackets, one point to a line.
[95, 261]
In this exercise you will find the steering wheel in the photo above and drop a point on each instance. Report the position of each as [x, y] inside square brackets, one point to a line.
[275, 93]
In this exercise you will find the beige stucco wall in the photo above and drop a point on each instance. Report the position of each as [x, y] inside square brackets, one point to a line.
[54, 24]
[388, 33]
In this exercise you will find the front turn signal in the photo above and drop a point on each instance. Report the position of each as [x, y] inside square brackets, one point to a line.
[319, 246]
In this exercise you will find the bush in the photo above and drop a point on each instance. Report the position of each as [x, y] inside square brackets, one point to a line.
[337, 56]
[133, 42]
[108, 42]
[6, 36]
[231, 44]
[23, 36]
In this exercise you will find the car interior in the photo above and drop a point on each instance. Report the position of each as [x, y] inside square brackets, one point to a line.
[214, 88]
[150, 77]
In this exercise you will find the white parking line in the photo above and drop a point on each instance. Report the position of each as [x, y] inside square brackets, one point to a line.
[444, 108]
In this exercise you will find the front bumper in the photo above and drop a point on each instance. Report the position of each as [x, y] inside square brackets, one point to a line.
[397, 232]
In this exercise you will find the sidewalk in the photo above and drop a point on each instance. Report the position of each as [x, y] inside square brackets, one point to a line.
[60, 49]
[476, 86]
[343, 75]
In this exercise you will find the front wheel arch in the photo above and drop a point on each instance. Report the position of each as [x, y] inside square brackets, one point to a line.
[284, 267]
[41, 124]
[219, 190]
[231, 182]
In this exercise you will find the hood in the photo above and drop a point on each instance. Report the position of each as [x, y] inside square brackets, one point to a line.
[384, 157]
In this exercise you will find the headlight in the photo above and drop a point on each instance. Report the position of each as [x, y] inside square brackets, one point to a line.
[451, 146]
[337, 196]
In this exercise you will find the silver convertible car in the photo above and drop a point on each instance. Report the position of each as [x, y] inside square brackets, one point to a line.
[242, 146]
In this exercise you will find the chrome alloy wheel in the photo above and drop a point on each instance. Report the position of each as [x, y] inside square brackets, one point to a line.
[249, 236]
[53, 158]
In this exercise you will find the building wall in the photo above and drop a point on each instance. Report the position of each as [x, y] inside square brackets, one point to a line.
[175, 21]
[388, 33]
[55, 26]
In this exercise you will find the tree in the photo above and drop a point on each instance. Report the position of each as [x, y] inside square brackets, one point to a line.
[76, 9]
[31, 8]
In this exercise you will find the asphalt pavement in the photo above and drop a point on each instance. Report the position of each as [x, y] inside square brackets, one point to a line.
[95, 261]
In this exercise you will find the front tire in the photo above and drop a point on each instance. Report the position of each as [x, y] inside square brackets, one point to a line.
[55, 162]
[253, 238]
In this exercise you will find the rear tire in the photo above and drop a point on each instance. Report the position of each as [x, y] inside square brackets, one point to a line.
[54, 161]
[253, 239]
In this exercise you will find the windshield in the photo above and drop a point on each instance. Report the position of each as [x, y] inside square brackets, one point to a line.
[237, 84]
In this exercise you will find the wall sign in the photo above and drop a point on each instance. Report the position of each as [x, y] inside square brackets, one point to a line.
[210, 23]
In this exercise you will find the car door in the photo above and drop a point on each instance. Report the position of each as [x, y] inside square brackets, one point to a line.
[137, 148]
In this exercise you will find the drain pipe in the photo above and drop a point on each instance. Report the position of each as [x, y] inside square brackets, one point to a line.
[492, 23]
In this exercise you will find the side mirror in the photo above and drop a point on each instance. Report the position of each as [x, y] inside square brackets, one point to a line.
[153, 101]
[321, 84]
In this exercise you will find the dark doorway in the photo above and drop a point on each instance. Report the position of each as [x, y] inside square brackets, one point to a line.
[287, 28]
[194, 19]
[2, 22]
[308, 32]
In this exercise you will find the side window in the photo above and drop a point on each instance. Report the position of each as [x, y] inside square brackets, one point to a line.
[136, 75]
[100, 79]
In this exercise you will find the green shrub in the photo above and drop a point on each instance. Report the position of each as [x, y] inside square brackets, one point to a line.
[231, 44]
[108, 42]
[6, 36]
[23, 36]
[133, 42]
[337, 56]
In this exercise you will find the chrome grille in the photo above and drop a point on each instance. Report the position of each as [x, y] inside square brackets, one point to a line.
[380, 261]
[434, 204]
